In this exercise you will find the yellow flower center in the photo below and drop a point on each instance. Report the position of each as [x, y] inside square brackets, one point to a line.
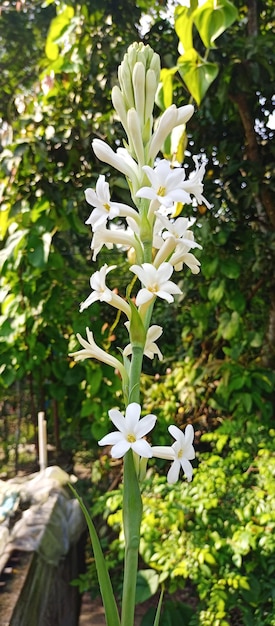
[131, 438]
[153, 288]
[161, 191]
[180, 453]
[107, 206]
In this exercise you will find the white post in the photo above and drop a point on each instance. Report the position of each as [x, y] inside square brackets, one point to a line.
[42, 440]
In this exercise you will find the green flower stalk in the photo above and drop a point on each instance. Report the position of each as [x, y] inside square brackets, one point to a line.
[160, 246]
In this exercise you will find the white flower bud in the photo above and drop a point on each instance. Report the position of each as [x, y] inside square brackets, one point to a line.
[166, 123]
[134, 133]
[150, 93]
[119, 106]
[125, 80]
[139, 90]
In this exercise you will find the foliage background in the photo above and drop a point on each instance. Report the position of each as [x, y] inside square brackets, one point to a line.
[59, 63]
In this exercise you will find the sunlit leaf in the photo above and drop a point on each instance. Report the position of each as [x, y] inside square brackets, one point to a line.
[196, 73]
[212, 18]
[184, 26]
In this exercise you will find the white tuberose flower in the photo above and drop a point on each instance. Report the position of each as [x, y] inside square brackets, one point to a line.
[166, 184]
[93, 351]
[131, 431]
[103, 293]
[181, 452]
[100, 199]
[150, 348]
[156, 282]
[194, 184]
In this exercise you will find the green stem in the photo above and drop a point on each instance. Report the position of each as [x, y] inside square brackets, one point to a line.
[132, 514]
[135, 372]
[132, 506]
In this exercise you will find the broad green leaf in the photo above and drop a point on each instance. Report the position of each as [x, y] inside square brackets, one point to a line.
[236, 301]
[147, 584]
[38, 250]
[196, 73]
[56, 28]
[164, 96]
[216, 290]
[230, 268]
[13, 242]
[212, 18]
[209, 266]
[184, 26]
[229, 325]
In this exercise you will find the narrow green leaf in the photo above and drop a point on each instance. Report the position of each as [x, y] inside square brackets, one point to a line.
[157, 617]
[110, 607]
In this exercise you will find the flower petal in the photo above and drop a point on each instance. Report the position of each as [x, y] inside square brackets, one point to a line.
[142, 448]
[173, 473]
[120, 448]
[189, 434]
[163, 452]
[145, 425]
[175, 432]
[187, 468]
[118, 419]
[110, 439]
[144, 296]
[132, 416]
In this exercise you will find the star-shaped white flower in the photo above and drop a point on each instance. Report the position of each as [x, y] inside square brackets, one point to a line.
[194, 184]
[104, 208]
[180, 453]
[114, 235]
[150, 348]
[102, 293]
[179, 229]
[100, 199]
[156, 282]
[131, 431]
[166, 184]
[183, 256]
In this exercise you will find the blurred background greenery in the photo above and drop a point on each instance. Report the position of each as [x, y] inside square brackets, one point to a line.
[58, 64]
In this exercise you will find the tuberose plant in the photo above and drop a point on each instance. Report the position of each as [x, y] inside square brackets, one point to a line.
[160, 244]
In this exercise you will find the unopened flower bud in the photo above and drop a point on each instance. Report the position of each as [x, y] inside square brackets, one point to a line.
[150, 93]
[125, 81]
[119, 106]
[134, 134]
[139, 89]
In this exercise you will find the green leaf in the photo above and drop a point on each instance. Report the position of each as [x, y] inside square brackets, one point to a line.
[147, 584]
[209, 266]
[212, 18]
[230, 268]
[229, 325]
[38, 250]
[184, 26]
[197, 73]
[164, 96]
[236, 301]
[216, 290]
[110, 607]
[56, 28]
